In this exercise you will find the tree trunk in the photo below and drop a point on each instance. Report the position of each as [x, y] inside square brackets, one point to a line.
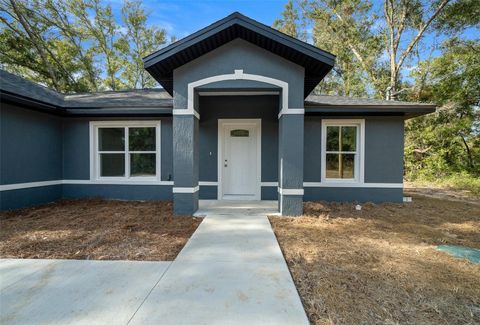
[469, 153]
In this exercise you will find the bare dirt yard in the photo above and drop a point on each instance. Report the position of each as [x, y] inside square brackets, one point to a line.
[95, 229]
[380, 266]
[441, 192]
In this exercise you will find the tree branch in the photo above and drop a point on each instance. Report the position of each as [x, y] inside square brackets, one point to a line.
[39, 48]
[420, 34]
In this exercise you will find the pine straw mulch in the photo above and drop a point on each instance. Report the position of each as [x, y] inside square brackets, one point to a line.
[95, 229]
[379, 265]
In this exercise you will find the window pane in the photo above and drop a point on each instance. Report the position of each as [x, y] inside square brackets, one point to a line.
[111, 139]
[349, 138]
[347, 168]
[239, 133]
[112, 164]
[332, 138]
[141, 139]
[142, 164]
[332, 165]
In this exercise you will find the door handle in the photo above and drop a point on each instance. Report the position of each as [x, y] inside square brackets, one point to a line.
[226, 163]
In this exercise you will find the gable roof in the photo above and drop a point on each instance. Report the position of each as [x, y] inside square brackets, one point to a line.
[317, 62]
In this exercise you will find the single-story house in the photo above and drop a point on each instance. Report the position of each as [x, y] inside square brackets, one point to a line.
[234, 120]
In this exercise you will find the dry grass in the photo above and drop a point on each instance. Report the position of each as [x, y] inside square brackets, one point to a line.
[95, 229]
[379, 265]
[435, 191]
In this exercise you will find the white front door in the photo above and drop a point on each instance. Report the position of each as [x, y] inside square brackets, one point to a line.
[240, 159]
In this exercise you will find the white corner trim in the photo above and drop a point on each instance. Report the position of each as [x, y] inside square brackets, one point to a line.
[180, 111]
[185, 189]
[290, 191]
[269, 184]
[353, 185]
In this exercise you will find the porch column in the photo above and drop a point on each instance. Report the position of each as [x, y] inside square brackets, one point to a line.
[290, 180]
[185, 163]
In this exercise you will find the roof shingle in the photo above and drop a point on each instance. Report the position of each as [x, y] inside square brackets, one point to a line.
[148, 101]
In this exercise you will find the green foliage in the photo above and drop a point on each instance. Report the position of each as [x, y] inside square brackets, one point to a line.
[458, 181]
[458, 15]
[375, 42]
[447, 142]
[344, 28]
[77, 45]
[144, 40]
[291, 22]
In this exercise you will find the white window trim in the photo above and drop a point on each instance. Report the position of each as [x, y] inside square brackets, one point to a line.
[94, 153]
[359, 163]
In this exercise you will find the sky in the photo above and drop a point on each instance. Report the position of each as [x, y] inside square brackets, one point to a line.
[183, 17]
[180, 18]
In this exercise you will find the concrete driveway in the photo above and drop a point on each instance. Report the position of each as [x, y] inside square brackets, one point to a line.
[74, 292]
[230, 272]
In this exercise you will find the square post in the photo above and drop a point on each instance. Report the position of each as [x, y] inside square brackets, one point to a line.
[185, 164]
[290, 180]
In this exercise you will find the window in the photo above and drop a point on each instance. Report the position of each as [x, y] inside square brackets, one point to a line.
[239, 133]
[126, 150]
[342, 158]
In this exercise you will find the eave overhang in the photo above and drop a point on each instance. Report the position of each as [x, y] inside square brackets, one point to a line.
[99, 111]
[161, 64]
[408, 111]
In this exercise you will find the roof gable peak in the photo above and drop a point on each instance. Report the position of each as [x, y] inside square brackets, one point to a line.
[317, 63]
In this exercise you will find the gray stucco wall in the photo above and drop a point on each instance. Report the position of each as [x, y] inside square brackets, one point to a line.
[30, 151]
[31, 146]
[42, 147]
[121, 192]
[312, 149]
[27, 197]
[239, 55]
[361, 195]
[383, 149]
[384, 142]
[383, 161]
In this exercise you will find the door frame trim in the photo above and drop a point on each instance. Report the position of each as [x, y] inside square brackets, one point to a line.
[258, 127]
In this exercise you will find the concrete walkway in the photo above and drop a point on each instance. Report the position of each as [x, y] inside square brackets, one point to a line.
[230, 272]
